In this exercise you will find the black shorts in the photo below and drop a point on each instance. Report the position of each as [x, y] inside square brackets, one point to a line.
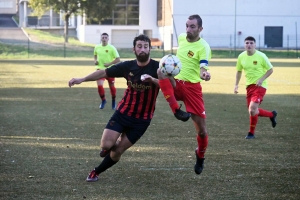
[133, 128]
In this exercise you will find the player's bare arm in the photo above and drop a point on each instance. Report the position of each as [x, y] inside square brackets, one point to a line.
[237, 80]
[267, 74]
[91, 77]
[115, 61]
[95, 60]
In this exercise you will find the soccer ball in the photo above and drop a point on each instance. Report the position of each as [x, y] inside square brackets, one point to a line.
[170, 65]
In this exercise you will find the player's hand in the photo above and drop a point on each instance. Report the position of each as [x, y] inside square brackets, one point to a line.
[74, 81]
[106, 65]
[146, 78]
[205, 76]
[236, 88]
[96, 63]
[259, 82]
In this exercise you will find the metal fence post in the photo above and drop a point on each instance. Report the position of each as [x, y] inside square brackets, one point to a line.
[64, 49]
[28, 47]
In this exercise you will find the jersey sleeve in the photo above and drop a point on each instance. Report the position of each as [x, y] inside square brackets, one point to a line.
[204, 56]
[95, 50]
[239, 66]
[115, 52]
[267, 63]
[117, 70]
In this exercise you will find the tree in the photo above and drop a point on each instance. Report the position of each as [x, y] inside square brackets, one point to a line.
[73, 7]
[97, 11]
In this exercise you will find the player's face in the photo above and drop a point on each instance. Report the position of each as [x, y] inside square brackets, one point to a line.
[249, 45]
[142, 51]
[104, 39]
[192, 30]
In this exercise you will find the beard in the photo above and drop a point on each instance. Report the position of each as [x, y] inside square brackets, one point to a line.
[143, 57]
[191, 36]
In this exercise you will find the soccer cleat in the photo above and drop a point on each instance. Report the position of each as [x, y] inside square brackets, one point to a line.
[104, 153]
[273, 119]
[199, 164]
[92, 177]
[181, 115]
[113, 104]
[102, 104]
[250, 136]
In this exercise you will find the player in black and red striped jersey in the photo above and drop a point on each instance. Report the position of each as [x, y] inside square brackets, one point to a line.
[135, 111]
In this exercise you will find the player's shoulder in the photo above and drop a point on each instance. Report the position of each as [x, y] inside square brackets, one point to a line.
[259, 53]
[244, 53]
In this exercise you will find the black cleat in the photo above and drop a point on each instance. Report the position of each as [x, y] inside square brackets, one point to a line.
[250, 136]
[181, 115]
[273, 119]
[199, 164]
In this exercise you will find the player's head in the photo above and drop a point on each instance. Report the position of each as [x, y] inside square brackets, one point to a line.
[249, 44]
[104, 38]
[193, 27]
[141, 47]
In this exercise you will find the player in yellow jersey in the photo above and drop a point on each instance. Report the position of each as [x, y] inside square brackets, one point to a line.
[106, 55]
[257, 68]
[194, 54]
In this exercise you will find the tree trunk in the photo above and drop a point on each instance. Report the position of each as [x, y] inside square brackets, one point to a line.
[66, 27]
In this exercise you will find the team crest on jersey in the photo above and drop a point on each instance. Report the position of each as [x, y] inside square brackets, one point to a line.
[106, 51]
[255, 62]
[130, 74]
[190, 54]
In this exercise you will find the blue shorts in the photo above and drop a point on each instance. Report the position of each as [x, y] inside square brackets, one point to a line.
[133, 128]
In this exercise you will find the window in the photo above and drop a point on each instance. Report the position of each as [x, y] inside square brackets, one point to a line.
[126, 12]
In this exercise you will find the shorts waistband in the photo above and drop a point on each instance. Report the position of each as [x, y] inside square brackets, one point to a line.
[185, 82]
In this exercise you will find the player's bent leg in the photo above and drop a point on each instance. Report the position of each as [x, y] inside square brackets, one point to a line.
[119, 149]
[108, 140]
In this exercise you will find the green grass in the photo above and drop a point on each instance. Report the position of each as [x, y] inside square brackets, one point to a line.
[50, 134]
[50, 46]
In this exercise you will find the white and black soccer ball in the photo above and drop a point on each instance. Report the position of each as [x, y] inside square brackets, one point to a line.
[170, 65]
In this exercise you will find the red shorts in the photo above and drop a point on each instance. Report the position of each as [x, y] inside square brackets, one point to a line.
[255, 94]
[191, 95]
[109, 79]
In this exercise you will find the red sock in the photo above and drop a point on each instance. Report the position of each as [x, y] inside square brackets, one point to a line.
[167, 89]
[264, 113]
[113, 92]
[202, 145]
[253, 122]
[101, 92]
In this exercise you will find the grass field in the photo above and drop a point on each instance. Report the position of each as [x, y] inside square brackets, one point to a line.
[50, 134]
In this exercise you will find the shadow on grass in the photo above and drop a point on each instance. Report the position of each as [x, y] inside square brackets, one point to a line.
[50, 139]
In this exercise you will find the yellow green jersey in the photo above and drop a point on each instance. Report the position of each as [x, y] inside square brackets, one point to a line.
[105, 54]
[192, 56]
[254, 66]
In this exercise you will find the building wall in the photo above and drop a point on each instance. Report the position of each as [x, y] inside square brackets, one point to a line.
[226, 19]
[8, 6]
[147, 24]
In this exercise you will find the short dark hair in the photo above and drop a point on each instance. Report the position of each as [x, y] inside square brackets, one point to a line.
[250, 38]
[198, 18]
[142, 37]
[104, 34]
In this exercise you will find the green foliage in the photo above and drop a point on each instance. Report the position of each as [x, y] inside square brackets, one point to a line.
[96, 10]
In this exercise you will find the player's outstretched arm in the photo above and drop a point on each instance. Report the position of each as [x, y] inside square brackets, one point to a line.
[92, 77]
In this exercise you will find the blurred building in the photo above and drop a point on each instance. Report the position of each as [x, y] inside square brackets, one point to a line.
[8, 6]
[226, 23]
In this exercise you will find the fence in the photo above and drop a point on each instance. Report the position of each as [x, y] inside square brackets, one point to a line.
[30, 49]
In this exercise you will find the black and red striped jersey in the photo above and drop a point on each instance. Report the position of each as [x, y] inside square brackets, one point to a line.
[140, 97]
